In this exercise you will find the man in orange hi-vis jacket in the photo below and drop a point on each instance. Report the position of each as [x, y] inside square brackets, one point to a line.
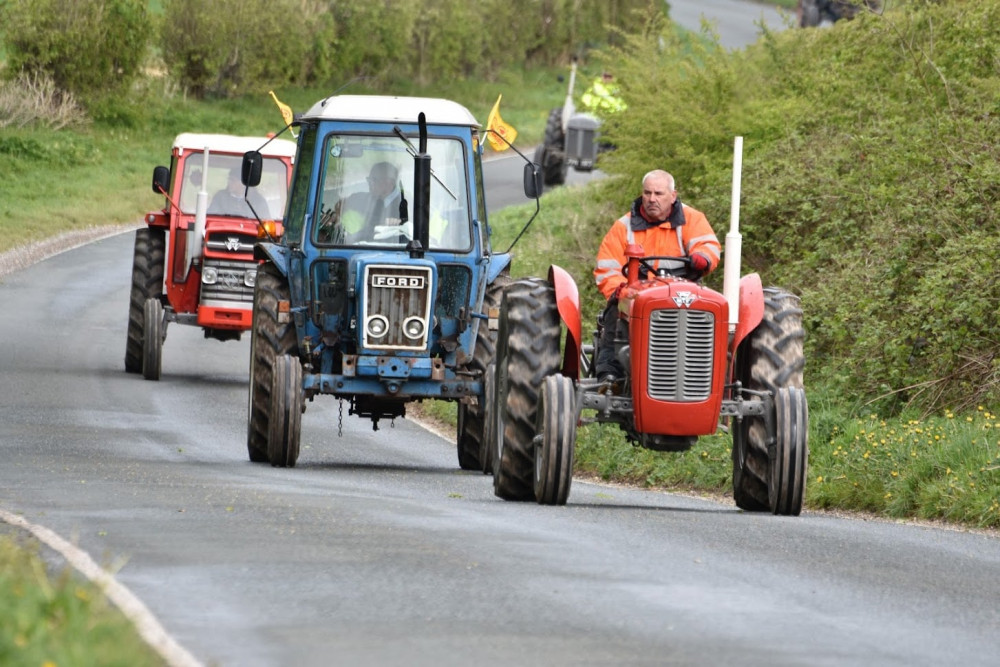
[663, 226]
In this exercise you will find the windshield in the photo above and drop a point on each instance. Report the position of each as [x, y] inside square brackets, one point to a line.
[226, 192]
[367, 198]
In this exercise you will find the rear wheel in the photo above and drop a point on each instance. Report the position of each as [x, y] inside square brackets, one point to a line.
[148, 253]
[554, 167]
[527, 353]
[473, 453]
[769, 359]
[555, 441]
[271, 337]
[152, 338]
[809, 14]
[285, 423]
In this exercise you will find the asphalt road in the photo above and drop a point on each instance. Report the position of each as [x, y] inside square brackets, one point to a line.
[377, 550]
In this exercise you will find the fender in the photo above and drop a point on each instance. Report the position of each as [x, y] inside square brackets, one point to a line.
[275, 253]
[498, 263]
[751, 312]
[568, 304]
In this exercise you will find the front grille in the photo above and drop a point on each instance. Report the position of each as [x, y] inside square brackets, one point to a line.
[230, 242]
[230, 282]
[681, 344]
[396, 297]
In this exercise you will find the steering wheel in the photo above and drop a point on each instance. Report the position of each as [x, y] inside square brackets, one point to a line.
[678, 267]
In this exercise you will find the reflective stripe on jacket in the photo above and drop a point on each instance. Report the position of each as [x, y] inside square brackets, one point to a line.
[687, 231]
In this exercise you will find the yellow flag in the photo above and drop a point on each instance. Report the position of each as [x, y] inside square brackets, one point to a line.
[495, 124]
[286, 111]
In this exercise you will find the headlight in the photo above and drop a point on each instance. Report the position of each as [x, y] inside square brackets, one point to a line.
[413, 327]
[209, 275]
[376, 326]
[250, 277]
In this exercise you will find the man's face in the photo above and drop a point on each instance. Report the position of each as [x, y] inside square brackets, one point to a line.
[658, 197]
[380, 186]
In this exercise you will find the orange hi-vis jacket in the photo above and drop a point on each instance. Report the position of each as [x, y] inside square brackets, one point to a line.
[684, 233]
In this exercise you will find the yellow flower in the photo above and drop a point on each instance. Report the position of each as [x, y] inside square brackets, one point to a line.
[894, 473]
[819, 480]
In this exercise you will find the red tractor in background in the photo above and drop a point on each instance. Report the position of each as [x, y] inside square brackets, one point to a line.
[193, 262]
[696, 360]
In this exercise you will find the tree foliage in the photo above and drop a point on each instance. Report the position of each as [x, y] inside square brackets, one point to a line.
[88, 48]
[233, 47]
[870, 184]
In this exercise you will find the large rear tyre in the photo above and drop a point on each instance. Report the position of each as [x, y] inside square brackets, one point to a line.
[809, 14]
[527, 353]
[787, 475]
[271, 337]
[555, 441]
[554, 167]
[770, 358]
[148, 251]
[285, 423]
[473, 453]
[152, 339]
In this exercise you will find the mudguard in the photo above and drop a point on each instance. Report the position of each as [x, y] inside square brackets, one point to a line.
[751, 311]
[498, 263]
[275, 253]
[568, 304]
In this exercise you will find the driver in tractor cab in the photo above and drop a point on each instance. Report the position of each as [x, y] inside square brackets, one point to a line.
[602, 98]
[236, 199]
[663, 226]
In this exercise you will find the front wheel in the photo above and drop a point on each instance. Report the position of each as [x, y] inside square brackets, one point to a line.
[527, 353]
[148, 254]
[152, 339]
[786, 483]
[555, 441]
[273, 335]
[285, 423]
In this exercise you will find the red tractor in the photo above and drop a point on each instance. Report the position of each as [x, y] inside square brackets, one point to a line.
[193, 262]
[696, 361]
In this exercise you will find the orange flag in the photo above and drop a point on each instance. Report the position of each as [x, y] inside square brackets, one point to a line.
[495, 124]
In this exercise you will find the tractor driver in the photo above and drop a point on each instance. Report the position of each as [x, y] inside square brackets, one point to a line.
[663, 226]
[236, 199]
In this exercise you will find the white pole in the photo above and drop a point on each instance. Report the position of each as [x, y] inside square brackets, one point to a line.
[734, 242]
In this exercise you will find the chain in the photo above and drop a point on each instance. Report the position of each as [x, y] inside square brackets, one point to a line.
[340, 420]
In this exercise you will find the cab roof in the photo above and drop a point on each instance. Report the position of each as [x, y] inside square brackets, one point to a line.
[390, 109]
[227, 143]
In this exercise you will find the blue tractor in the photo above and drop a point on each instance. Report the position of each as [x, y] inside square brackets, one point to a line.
[384, 289]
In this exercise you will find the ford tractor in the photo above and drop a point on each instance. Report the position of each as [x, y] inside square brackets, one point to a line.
[697, 361]
[193, 261]
[384, 289]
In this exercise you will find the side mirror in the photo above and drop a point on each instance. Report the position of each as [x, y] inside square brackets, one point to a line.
[253, 164]
[532, 181]
[161, 180]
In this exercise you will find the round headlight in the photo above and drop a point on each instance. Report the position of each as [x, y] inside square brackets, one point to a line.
[209, 275]
[250, 277]
[376, 326]
[413, 327]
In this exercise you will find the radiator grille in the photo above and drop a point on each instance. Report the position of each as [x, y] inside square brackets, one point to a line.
[233, 281]
[397, 299]
[681, 345]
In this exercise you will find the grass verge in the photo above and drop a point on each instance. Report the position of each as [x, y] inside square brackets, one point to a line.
[56, 620]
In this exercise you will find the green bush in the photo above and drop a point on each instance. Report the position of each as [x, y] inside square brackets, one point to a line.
[870, 182]
[89, 48]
